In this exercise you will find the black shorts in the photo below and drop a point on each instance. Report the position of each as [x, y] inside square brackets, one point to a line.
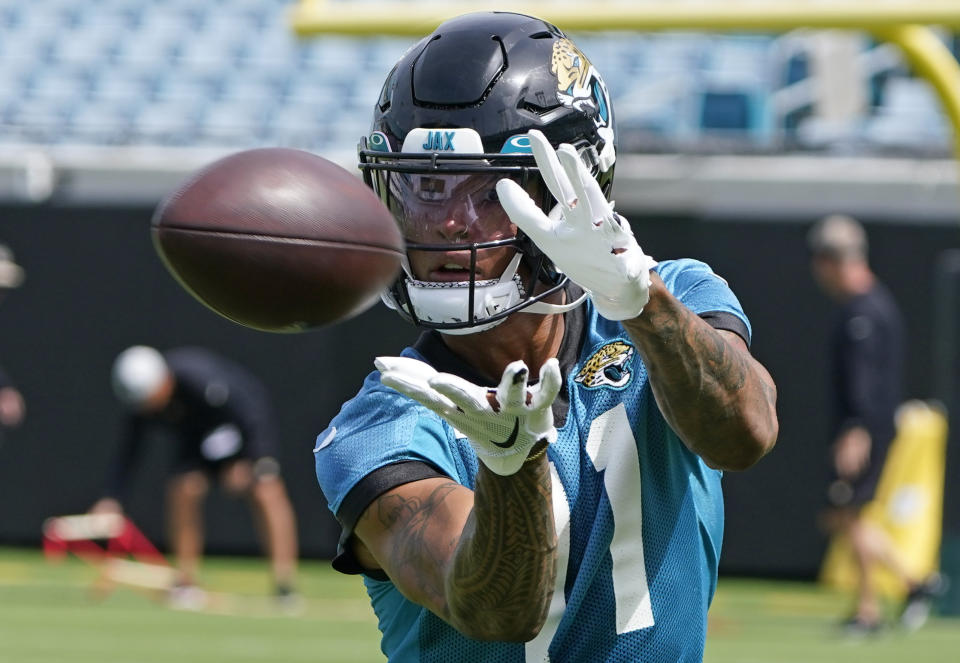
[222, 446]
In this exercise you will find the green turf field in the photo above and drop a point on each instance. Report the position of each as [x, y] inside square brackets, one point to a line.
[48, 615]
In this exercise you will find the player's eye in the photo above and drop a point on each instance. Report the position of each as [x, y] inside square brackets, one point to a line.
[491, 196]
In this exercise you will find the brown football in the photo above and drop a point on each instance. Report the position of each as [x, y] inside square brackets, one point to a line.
[279, 240]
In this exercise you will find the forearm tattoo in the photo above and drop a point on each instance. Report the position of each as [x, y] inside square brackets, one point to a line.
[499, 570]
[503, 572]
[714, 395]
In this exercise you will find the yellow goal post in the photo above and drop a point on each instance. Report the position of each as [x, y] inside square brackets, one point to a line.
[901, 22]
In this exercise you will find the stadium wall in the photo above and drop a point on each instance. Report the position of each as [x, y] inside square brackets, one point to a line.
[94, 286]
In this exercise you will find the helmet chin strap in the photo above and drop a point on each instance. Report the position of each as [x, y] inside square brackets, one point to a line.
[546, 308]
[446, 301]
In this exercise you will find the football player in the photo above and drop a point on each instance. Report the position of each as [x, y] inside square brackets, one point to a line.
[219, 417]
[538, 477]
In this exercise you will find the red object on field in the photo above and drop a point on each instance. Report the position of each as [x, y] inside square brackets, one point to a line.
[80, 534]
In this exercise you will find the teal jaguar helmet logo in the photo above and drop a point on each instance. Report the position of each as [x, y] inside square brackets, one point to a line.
[580, 86]
[609, 366]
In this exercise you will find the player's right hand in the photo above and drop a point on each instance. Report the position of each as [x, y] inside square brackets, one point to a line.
[502, 424]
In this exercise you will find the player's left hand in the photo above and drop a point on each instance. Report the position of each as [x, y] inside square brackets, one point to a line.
[502, 424]
[587, 240]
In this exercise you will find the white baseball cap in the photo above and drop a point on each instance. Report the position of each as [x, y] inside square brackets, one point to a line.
[138, 373]
[838, 235]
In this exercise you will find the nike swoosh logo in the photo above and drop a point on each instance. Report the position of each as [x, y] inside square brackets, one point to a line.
[327, 440]
[509, 442]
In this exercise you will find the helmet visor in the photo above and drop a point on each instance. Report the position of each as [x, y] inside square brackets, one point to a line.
[438, 208]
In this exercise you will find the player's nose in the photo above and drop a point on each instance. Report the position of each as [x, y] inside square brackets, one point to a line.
[453, 228]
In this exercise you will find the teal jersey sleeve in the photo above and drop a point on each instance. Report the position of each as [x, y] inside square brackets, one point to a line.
[701, 290]
[380, 427]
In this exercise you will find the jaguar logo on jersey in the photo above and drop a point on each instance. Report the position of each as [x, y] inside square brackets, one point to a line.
[608, 367]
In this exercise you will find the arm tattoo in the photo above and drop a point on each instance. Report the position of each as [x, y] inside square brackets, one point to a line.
[411, 519]
[499, 571]
[503, 573]
[728, 368]
[718, 399]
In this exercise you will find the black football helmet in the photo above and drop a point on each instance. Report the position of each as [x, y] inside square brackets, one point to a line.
[452, 119]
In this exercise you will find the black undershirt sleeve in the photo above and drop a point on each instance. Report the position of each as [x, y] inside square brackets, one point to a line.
[361, 496]
[727, 322]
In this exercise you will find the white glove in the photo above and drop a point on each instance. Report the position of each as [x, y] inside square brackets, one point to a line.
[587, 240]
[501, 434]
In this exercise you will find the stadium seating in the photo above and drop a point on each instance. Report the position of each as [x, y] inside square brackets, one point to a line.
[230, 73]
[908, 117]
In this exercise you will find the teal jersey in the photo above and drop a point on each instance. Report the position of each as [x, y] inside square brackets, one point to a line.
[639, 517]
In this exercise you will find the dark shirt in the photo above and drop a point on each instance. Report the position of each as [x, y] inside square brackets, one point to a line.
[867, 359]
[211, 394]
[5, 380]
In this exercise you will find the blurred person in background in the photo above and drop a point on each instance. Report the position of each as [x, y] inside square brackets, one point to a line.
[12, 407]
[866, 358]
[220, 416]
